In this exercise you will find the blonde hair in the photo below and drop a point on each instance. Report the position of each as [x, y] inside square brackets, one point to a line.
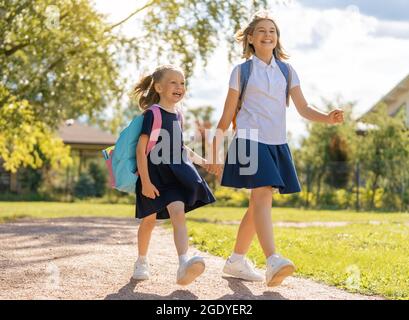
[144, 91]
[248, 49]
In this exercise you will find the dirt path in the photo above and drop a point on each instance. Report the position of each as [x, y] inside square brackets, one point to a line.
[92, 258]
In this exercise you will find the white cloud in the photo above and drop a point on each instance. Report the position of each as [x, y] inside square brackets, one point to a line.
[392, 29]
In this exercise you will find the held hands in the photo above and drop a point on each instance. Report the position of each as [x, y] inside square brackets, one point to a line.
[149, 190]
[215, 169]
[336, 116]
[212, 168]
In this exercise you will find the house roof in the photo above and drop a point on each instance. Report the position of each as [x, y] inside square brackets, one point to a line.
[392, 97]
[73, 132]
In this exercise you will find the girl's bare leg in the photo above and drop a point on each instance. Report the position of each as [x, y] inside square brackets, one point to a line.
[246, 232]
[144, 233]
[262, 199]
[177, 216]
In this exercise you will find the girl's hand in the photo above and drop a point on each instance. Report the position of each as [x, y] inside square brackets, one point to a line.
[149, 190]
[336, 116]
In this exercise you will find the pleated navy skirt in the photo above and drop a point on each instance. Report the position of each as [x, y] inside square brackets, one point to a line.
[175, 182]
[251, 164]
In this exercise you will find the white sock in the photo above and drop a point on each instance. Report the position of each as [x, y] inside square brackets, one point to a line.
[183, 258]
[142, 259]
[235, 257]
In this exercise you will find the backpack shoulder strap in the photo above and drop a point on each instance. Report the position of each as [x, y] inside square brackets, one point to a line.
[285, 69]
[156, 126]
[244, 75]
[180, 117]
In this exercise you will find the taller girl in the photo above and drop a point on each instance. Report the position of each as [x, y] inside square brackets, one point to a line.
[261, 105]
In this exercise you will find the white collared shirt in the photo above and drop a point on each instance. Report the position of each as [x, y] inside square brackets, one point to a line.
[264, 104]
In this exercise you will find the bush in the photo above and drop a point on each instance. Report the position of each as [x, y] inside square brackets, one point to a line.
[290, 200]
[231, 197]
[31, 179]
[113, 196]
[25, 197]
[85, 186]
[100, 179]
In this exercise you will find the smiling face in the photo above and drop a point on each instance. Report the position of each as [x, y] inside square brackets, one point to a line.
[264, 36]
[171, 88]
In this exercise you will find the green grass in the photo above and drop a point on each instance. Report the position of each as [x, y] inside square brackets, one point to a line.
[14, 210]
[214, 214]
[375, 257]
[360, 257]
[10, 211]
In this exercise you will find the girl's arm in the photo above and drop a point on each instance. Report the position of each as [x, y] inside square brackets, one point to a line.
[309, 112]
[148, 189]
[229, 110]
[214, 164]
[195, 158]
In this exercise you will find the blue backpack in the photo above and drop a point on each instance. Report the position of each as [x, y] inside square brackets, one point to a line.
[244, 74]
[121, 158]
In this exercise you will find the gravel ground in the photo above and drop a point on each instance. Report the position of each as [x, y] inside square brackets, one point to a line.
[92, 258]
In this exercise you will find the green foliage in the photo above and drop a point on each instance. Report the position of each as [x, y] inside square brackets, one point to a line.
[91, 183]
[85, 186]
[99, 177]
[35, 196]
[61, 60]
[227, 197]
[384, 155]
[56, 62]
[183, 31]
[31, 179]
[328, 157]
[25, 140]
[326, 154]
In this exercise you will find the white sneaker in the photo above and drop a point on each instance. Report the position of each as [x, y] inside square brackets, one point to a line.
[242, 269]
[190, 270]
[278, 268]
[141, 271]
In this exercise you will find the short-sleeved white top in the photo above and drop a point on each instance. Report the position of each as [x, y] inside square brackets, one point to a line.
[264, 104]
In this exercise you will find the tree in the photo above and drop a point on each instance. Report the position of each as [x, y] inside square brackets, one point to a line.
[384, 154]
[62, 60]
[187, 30]
[99, 177]
[326, 153]
[26, 141]
[55, 63]
[184, 32]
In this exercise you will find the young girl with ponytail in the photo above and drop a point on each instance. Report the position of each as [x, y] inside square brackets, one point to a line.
[169, 185]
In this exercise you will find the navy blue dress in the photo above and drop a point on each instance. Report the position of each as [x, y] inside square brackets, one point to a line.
[174, 176]
[273, 166]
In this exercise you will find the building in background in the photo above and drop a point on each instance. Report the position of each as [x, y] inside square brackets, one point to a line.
[396, 100]
[86, 143]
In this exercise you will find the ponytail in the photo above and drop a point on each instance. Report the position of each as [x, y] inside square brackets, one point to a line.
[144, 91]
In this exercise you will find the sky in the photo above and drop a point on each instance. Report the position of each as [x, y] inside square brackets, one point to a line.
[342, 51]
